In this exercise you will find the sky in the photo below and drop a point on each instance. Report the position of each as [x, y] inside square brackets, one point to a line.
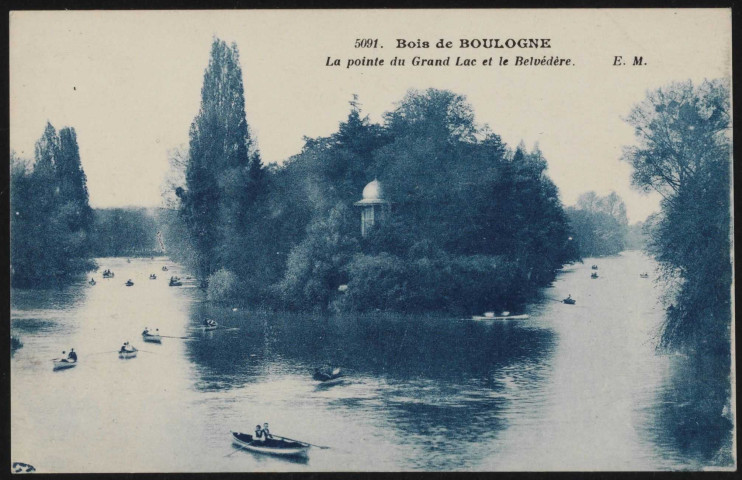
[129, 82]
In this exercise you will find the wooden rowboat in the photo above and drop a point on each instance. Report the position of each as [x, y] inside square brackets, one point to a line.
[151, 337]
[500, 317]
[129, 353]
[63, 363]
[272, 446]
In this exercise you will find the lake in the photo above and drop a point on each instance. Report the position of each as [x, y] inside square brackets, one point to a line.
[573, 387]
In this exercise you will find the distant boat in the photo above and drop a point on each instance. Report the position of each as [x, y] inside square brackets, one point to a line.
[128, 352]
[164, 269]
[210, 325]
[502, 316]
[152, 337]
[108, 274]
[128, 261]
[153, 277]
[644, 275]
[175, 282]
[594, 267]
[327, 376]
[92, 281]
[129, 283]
[63, 363]
[569, 301]
[272, 446]
[594, 275]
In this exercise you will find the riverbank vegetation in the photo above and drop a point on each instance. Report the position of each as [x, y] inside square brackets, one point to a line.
[473, 224]
[125, 232]
[683, 152]
[599, 224]
[51, 218]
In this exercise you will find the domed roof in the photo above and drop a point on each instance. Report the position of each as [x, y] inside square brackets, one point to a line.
[372, 191]
[372, 194]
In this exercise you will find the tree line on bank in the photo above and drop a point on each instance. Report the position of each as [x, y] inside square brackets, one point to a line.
[473, 224]
[51, 218]
[54, 231]
[683, 152]
[599, 224]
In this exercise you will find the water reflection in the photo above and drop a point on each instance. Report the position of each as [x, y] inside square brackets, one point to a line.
[572, 388]
[691, 418]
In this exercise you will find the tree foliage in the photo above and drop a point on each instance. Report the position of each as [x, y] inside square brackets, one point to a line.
[224, 172]
[599, 224]
[51, 218]
[683, 153]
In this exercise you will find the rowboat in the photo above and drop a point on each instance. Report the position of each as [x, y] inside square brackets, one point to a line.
[272, 446]
[62, 363]
[129, 283]
[569, 301]
[644, 275]
[499, 317]
[210, 325]
[130, 352]
[328, 377]
[594, 275]
[151, 337]
[108, 274]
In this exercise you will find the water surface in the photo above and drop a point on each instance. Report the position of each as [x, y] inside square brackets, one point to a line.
[571, 388]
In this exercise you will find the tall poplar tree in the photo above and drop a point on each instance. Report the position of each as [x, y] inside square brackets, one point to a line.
[224, 172]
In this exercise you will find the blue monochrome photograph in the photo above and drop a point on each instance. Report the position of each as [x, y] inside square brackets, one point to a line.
[371, 241]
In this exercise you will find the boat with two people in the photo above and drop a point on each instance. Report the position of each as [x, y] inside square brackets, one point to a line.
[175, 282]
[594, 275]
[594, 267]
[266, 443]
[129, 283]
[210, 324]
[66, 361]
[328, 375]
[164, 269]
[569, 300]
[151, 336]
[107, 273]
[152, 276]
[502, 316]
[644, 275]
[127, 351]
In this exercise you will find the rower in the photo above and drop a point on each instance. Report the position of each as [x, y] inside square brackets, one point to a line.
[266, 432]
[72, 355]
[259, 434]
[146, 331]
[64, 356]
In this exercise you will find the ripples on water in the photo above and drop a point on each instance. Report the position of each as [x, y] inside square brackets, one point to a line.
[572, 388]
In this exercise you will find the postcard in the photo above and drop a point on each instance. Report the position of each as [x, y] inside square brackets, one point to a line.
[371, 241]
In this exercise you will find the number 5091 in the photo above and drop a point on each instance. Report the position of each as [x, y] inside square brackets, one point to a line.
[367, 42]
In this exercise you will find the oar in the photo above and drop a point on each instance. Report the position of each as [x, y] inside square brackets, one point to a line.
[170, 336]
[323, 447]
[239, 447]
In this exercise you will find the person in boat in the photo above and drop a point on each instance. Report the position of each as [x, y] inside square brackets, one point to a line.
[267, 432]
[64, 356]
[146, 331]
[569, 297]
[258, 437]
[72, 357]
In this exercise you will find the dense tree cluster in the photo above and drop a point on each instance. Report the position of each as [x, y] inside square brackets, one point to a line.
[473, 224]
[599, 224]
[51, 218]
[124, 232]
[684, 153]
